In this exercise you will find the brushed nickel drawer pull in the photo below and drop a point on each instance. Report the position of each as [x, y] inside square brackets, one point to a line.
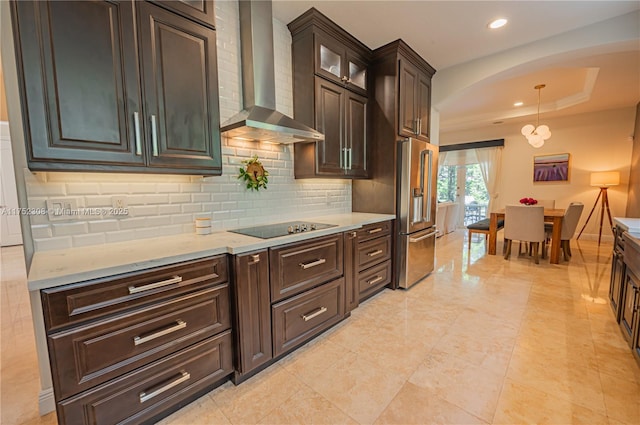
[180, 324]
[156, 391]
[136, 289]
[255, 258]
[376, 230]
[314, 314]
[312, 264]
[374, 253]
[374, 281]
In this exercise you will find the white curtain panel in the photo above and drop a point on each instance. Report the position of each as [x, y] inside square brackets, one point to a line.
[490, 161]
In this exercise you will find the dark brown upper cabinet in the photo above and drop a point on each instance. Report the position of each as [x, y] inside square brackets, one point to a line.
[331, 81]
[414, 101]
[202, 11]
[101, 92]
[336, 62]
[342, 117]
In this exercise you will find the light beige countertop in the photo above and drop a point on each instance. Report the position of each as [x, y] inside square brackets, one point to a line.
[61, 267]
[631, 225]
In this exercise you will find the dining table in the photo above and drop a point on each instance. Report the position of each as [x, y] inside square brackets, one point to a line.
[554, 216]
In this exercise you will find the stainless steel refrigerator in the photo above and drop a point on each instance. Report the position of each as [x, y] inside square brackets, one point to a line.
[416, 210]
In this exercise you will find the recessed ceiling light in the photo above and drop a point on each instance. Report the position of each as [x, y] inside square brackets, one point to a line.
[498, 23]
[518, 104]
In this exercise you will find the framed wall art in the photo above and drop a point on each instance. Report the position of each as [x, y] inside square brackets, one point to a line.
[551, 168]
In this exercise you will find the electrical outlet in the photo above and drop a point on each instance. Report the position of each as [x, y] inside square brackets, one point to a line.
[119, 202]
[62, 209]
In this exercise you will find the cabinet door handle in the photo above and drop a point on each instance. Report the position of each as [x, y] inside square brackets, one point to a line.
[136, 128]
[174, 279]
[428, 235]
[344, 158]
[345, 79]
[312, 264]
[180, 324]
[374, 253]
[415, 126]
[376, 230]
[350, 152]
[352, 235]
[156, 391]
[314, 314]
[255, 258]
[374, 280]
[154, 135]
[419, 126]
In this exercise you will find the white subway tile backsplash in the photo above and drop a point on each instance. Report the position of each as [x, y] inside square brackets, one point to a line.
[52, 243]
[66, 229]
[165, 204]
[176, 198]
[98, 226]
[41, 231]
[82, 188]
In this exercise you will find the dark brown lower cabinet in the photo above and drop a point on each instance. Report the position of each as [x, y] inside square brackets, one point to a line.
[151, 390]
[352, 293]
[615, 285]
[299, 318]
[253, 311]
[89, 355]
[373, 258]
[629, 313]
[134, 347]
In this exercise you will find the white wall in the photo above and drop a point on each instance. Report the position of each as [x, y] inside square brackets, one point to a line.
[164, 205]
[597, 141]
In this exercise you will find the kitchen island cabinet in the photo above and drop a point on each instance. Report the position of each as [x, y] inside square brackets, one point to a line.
[117, 86]
[624, 290]
[331, 95]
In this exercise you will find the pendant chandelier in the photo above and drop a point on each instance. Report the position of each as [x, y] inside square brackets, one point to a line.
[538, 134]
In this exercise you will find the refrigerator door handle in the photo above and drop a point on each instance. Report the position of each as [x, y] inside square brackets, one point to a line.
[428, 235]
[426, 156]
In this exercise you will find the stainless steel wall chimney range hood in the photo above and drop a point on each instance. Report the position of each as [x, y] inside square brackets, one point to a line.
[259, 119]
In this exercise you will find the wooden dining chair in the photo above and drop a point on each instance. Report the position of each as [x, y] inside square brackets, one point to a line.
[524, 224]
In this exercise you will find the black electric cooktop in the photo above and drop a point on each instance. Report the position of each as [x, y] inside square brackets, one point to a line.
[281, 229]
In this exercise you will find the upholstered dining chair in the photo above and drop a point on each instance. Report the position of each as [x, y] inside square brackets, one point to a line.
[524, 224]
[569, 225]
[547, 203]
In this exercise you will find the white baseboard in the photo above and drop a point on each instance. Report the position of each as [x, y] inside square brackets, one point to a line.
[46, 402]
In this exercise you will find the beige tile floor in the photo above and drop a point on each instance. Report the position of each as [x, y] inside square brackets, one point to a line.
[481, 340]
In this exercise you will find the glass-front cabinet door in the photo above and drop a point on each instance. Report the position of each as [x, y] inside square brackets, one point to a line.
[339, 64]
[356, 74]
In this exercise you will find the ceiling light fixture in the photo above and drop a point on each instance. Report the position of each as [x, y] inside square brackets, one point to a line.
[518, 104]
[538, 134]
[498, 23]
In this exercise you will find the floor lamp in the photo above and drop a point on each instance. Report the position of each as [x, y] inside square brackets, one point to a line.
[603, 180]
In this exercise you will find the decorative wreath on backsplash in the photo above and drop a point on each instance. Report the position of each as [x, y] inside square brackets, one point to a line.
[254, 174]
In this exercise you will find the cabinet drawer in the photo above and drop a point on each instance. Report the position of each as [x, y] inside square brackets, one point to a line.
[297, 267]
[92, 299]
[299, 318]
[147, 392]
[373, 252]
[90, 355]
[370, 280]
[632, 256]
[375, 230]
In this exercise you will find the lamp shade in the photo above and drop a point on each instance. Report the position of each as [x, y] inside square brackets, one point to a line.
[605, 178]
